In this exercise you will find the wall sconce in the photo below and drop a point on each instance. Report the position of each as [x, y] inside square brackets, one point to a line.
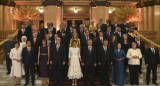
[75, 10]
[40, 9]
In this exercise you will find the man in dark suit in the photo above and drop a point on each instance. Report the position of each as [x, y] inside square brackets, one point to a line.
[8, 45]
[105, 60]
[53, 28]
[108, 34]
[58, 59]
[22, 32]
[81, 31]
[85, 38]
[100, 39]
[28, 29]
[98, 29]
[89, 61]
[151, 61]
[105, 26]
[114, 26]
[28, 61]
[35, 42]
[140, 45]
[119, 34]
[125, 27]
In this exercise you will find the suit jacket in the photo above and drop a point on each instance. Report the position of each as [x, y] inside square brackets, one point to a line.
[53, 30]
[125, 28]
[29, 31]
[141, 47]
[57, 57]
[89, 58]
[114, 27]
[64, 39]
[119, 38]
[84, 41]
[150, 58]
[97, 32]
[108, 37]
[28, 59]
[105, 58]
[99, 42]
[20, 34]
[105, 26]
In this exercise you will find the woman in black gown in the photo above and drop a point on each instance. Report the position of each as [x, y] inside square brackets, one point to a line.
[43, 61]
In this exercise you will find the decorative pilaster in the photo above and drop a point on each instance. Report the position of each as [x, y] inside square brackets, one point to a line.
[53, 12]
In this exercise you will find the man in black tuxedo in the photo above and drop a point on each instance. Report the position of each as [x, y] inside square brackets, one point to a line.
[53, 28]
[81, 31]
[22, 32]
[119, 34]
[100, 39]
[105, 60]
[8, 45]
[35, 42]
[85, 38]
[28, 29]
[114, 26]
[89, 61]
[151, 61]
[105, 26]
[140, 45]
[98, 30]
[58, 59]
[28, 61]
[108, 34]
[125, 27]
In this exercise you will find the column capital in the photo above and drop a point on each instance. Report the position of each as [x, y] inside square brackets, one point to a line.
[3, 2]
[52, 2]
[100, 3]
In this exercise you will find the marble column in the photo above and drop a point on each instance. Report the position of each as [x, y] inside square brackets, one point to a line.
[1, 17]
[145, 18]
[102, 12]
[94, 14]
[157, 18]
[53, 14]
[151, 18]
[99, 12]
[6, 18]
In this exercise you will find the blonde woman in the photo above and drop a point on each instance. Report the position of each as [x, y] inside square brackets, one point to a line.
[92, 26]
[75, 37]
[134, 55]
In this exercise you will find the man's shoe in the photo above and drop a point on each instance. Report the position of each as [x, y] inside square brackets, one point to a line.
[155, 83]
[147, 83]
[26, 84]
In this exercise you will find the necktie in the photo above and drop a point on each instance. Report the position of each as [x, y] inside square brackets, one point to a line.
[57, 48]
[108, 34]
[90, 49]
[105, 50]
[153, 50]
[101, 39]
[22, 31]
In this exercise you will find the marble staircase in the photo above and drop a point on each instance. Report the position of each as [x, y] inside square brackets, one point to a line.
[6, 80]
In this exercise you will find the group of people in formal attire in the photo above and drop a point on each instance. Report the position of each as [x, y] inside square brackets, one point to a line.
[107, 48]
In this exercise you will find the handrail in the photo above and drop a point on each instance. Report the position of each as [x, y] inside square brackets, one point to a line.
[14, 35]
[146, 39]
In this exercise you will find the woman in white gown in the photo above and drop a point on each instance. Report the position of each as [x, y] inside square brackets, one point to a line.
[74, 71]
[16, 70]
